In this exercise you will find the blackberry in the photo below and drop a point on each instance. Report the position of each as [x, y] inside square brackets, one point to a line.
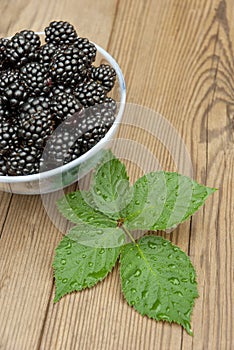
[58, 89]
[60, 32]
[19, 50]
[12, 89]
[87, 47]
[90, 93]
[36, 129]
[91, 129]
[7, 77]
[33, 105]
[104, 75]
[57, 149]
[32, 38]
[68, 66]
[8, 136]
[24, 160]
[35, 77]
[15, 94]
[3, 168]
[64, 105]
[46, 53]
[109, 106]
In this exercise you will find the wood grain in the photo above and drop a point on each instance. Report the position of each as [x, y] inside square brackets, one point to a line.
[177, 58]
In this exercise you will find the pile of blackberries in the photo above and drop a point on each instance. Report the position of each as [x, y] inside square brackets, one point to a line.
[45, 86]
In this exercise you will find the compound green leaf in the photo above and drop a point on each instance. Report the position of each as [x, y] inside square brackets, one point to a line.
[158, 280]
[77, 266]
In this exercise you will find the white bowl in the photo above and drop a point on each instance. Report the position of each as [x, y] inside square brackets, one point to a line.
[60, 177]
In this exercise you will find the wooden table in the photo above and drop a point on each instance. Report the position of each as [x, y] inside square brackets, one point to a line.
[177, 58]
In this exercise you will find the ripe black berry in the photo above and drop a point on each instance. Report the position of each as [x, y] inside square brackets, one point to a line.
[88, 48]
[24, 160]
[19, 50]
[68, 66]
[63, 106]
[35, 77]
[36, 129]
[60, 32]
[104, 75]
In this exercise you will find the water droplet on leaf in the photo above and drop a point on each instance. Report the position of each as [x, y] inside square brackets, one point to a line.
[102, 251]
[63, 262]
[144, 294]
[156, 306]
[74, 285]
[90, 264]
[137, 273]
[152, 245]
[174, 280]
[163, 316]
[133, 290]
[172, 266]
[184, 280]
[64, 280]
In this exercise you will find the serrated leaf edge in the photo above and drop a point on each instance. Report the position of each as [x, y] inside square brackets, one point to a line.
[188, 330]
[56, 298]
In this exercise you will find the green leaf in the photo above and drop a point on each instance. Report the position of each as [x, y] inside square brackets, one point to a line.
[148, 199]
[158, 280]
[80, 207]
[162, 200]
[111, 188]
[77, 266]
[109, 237]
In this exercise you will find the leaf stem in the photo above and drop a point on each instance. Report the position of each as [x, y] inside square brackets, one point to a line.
[128, 233]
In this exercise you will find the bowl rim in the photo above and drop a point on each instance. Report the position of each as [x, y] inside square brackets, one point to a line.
[49, 173]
